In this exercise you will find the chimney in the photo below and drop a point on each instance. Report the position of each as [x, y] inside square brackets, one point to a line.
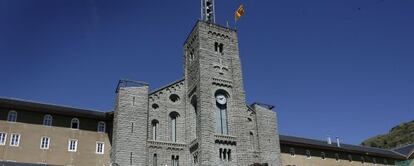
[329, 141]
[338, 144]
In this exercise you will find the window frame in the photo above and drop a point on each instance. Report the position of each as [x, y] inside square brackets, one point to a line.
[101, 123]
[13, 141]
[47, 145]
[9, 114]
[102, 148]
[45, 118]
[75, 147]
[3, 138]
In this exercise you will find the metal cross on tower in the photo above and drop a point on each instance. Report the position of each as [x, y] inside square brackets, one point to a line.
[207, 11]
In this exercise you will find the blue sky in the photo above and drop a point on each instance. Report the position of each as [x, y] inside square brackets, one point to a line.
[331, 67]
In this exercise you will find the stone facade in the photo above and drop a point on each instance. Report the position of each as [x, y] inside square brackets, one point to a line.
[199, 120]
[185, 124]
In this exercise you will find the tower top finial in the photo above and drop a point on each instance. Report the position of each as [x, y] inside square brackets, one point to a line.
[207, 11]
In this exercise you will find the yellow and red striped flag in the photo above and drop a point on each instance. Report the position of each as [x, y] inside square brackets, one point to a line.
[239, 12]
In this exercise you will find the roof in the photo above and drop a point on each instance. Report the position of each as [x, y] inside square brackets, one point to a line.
[305, 142]
[20, 104]
[407, 150]
[6, 163]
[166, 86]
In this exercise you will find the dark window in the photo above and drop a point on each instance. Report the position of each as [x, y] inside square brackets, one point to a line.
[323, 155]
[337, 157]
[350, 158]
[12, 116]
[155, 106]
[308, 154]
[154, 160]
[154, 124]
[74, 123]
[292, 151]
[174, 98]
[175, 160]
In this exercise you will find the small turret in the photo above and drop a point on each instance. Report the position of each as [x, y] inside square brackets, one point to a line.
[131, 114]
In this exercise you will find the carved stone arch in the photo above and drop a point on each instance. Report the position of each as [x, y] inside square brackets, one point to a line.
[222, 91]
[174, 114]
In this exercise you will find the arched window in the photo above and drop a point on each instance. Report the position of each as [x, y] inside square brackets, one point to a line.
[175, 160]
[337, 157]
[174, 98]
[292, 152]
[154, 160]
[101, 127]
[155, 106]
[229, 154]
[251, 136]
[154, 125]
[12, 116]
[47, 120]
[173, 125]
[308, 154]
[221, 113]
[194, 121]
[74, 124]
[350, 158]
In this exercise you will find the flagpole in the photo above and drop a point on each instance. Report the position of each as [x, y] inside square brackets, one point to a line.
[235, 24]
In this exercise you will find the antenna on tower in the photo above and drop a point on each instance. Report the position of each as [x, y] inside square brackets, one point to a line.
[207, 11]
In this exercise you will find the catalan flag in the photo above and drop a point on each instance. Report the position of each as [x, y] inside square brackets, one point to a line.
[239, 12]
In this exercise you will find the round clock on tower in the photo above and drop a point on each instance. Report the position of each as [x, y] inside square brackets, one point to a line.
[221, 99]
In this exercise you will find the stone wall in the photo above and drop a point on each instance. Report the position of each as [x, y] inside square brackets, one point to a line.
[130, 126]
[269, 145]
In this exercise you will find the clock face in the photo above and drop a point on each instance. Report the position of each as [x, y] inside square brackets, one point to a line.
[221, 99]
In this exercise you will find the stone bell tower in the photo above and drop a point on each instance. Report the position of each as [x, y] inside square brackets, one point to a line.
[215, 89]
[223, 132]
